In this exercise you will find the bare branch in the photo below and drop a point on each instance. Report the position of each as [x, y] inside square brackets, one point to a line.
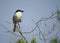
[30, 31]
[22, 34]
[50, 17]
[54, 25]
[9, 31]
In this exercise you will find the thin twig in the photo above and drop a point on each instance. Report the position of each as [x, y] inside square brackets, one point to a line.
[54, 25]
[30, 31]
[9, 30]
[50, 17]
[22, 34]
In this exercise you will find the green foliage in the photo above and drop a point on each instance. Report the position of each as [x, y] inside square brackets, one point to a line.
[21, 41]
[33, 40]
[58, 12]
[54, 40]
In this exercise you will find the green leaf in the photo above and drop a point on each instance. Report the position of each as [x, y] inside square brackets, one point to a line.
[21, 41]
[54, 40]
[58, 12]
[33, 40]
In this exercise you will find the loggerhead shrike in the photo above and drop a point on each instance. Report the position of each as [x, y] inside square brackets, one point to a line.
[17, 18]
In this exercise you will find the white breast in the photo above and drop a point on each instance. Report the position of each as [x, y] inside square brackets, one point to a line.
[18, 15]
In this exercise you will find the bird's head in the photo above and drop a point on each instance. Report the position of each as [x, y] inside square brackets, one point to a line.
[19, 12]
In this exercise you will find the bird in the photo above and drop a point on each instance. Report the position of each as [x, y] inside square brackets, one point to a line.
[17, 18]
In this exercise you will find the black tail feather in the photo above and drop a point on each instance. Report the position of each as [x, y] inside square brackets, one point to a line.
[14, 28]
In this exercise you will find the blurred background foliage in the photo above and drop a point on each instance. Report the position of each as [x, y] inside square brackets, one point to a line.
[33, 40]
[21, 41]
[55, 40]
[58, 14]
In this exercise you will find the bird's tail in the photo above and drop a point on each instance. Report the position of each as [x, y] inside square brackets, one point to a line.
[14, 28]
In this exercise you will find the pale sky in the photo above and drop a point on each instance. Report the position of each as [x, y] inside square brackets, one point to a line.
[33, 9]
